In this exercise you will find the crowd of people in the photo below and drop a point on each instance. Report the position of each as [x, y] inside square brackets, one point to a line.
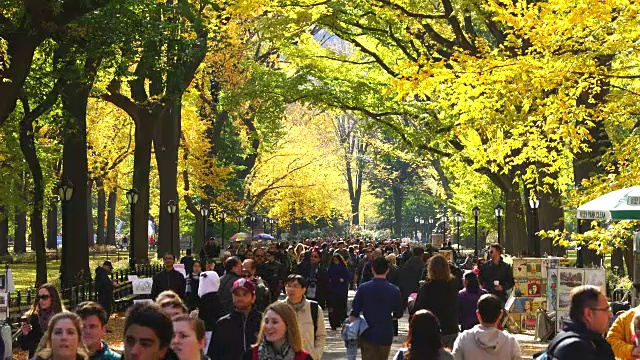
[268, 302]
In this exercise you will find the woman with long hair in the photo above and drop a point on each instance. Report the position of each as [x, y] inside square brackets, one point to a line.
[62, 339]
[439, 295]
[188, 338]
[193, 300]
[36, 321]
[279, 336]
[468, 300]
[423, 341]
[339, 277]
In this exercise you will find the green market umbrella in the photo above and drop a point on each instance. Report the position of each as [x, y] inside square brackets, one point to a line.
[628, 208]
[623, 204]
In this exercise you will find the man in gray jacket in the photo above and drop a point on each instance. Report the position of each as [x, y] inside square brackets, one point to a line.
[485, 341]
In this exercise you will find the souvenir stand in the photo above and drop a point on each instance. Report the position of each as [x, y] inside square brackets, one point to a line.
[6, 287]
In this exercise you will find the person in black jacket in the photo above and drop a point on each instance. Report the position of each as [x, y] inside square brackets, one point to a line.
[410, 274]
[497, 276]
[440, 296]
[169, 279]
[233, 271]
[104, 287]
[210, 308]
[35, 322]
[316, 277]
[582, 335]
[237, 331]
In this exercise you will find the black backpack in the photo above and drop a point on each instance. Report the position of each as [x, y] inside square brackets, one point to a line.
[314, 315]
[554, 344]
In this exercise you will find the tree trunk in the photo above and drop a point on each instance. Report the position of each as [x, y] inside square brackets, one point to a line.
[20, 233]
[111, 219]
[398, 201]
[90, 240]
[52, 225]
[4, 232]
[101, 212]
[515, 236]
[166, 142]
[141, 173]
[551, 217]
[28, 148]
[628, 257]
[21, 47]
[74, 267]
[617, 261]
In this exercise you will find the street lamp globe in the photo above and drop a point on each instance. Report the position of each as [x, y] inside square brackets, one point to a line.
[223, 214]
[204, 211]
[499, 210]
[534, 202]
[65, 190]
[458, 217]
[132, 196]
[476, 212]
[430, 220]
[416, 219]
[421, 221]
[172, 206]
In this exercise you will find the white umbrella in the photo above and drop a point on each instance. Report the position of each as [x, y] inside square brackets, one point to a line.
[604, 206]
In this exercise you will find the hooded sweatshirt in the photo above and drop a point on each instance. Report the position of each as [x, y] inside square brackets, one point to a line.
[486, 343]
[210, 308]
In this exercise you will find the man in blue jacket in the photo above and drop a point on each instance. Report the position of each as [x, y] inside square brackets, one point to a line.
[379, 301]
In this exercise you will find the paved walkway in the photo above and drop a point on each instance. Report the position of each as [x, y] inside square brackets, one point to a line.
[334, 348]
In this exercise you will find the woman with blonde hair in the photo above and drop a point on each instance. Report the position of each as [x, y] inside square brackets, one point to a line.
[36, 321]
[279, 337]
[299, 250]
[62, 340]
[439, 295]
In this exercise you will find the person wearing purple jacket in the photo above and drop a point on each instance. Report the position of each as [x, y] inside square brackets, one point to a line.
[338, 289]
[468, 300]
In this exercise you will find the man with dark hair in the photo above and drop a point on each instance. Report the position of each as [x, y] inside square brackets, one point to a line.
[263, 297]
[188, 260]
[485, 341]
[94, 328]
[410, 274]
[582, 334]
[379, 301]
[496, 275]
[233, 271]
[104, 287]
[147, 332]
[209, 250]
[169, 279]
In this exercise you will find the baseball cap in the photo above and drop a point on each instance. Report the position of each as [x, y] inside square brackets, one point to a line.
[245, 284]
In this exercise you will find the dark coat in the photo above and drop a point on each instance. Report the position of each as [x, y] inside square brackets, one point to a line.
[489, 272]
[576, 342]
[210, 310]
[322, 282]
[441, 298]
[30, 341]
[187, 261]
[168, 280]
[104, 288]
[194, 299]
[234, 334]
[335, 273]
[226, 284]
[410, 275]
[467, 305]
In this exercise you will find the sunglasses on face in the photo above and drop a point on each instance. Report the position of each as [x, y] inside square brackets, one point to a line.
[43, 297]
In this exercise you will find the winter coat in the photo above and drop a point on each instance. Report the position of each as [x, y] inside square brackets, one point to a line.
[486, 343]
[336, 273]
[441, 298]
[586, 345]
[168, 280]
[620, 335]
[226, 284]
[30, 341]
[489, 272]
[467, 306]
[234, 334]
[210, 307]
[409, 275]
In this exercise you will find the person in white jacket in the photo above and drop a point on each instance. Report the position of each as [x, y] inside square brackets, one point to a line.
[485, 341]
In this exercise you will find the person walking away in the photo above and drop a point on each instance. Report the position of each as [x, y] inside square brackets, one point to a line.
[210, 307]
[424, 341]
[94, 329]
[193, 282]
[582, 334]
[187, 260]
[62, 339]
[104, 287]
[237, 331]
[485, 341]
[310, 317]
[468, 301]
[410, 274]
[279, 336]
[36, 321]
[393, 276]
[169, 279]
[496, 275]
[624, 335]
[439, 295]
[339, 276]
[188, 338]
[379, 301]
[233, 271]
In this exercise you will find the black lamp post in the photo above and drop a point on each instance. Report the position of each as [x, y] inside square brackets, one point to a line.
[223, 216]
[444, 228]
[277, 222]
[476, 215]
[271, 221]
[430, 232]
[534, 202]
[499, 213]
[416, 220]
[253, 221]
[52, 223]
[204, 212]
[65, 192]
[171, 208]
[239, 222]
[132, 199]
[458, 218]
[422, 230]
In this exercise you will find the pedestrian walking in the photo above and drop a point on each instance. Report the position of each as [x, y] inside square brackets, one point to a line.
[379, 301]
[94, 329]
[468, 301]
[193, 282]
[316, 278]
[423, 340]
[339, 276]
[624, 335]
[310, 316]
[147, 332]
[36, 321]
[440, 296]
[104, 287]
[233, 271]
[495, 275]
[279, 336]
[210, 307]
[188, 338]
[582, 334]
[410, 274]
[169, 279]
[62, 339]
[485, 341]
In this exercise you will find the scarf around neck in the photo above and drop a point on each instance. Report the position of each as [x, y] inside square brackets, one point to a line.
[44, 316]
[266, 351]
